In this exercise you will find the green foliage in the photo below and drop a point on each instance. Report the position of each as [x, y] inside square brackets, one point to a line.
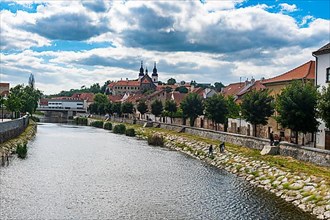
[80, 120]
[156, 140]
[119, 129]
[116, 108]
[192, 107]
[218, 86]
[171, 81]
[100, 105]
[256, 107]
[130, 132]
[23, 99]
[107, 126]
[21, 150]
[233, 108]
[156, 107]
[168, 89]
[216, 108]
[171, 108]
[127, 108]
[182, 89]
[296, 107]
[97, 124]
[95, 88]
[142, 107]
[324, 106]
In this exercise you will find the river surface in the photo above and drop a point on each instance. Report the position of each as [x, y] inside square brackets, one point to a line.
[76, 172]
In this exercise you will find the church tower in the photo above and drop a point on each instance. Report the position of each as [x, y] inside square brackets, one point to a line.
[154, 74]
[141, 74]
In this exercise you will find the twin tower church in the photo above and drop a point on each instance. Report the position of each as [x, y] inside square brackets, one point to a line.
[142, 84]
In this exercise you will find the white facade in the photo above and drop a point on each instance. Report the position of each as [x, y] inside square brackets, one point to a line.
[67, 104]
[322, 66]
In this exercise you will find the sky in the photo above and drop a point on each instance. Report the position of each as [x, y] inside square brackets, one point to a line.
[70, 44]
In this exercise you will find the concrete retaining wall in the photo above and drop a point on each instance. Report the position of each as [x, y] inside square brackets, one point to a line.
[11, 129]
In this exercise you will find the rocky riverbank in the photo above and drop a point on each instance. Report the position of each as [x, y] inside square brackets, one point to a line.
[9, 147]
[309, 193]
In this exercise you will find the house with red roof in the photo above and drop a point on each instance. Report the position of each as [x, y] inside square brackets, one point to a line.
[4, 89]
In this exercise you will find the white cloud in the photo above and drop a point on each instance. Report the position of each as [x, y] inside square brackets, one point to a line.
[288, 8]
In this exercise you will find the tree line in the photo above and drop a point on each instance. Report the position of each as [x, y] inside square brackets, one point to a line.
[297, 108]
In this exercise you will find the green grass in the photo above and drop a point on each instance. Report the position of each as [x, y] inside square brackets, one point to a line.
[282, 162]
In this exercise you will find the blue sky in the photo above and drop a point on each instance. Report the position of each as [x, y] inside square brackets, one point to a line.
[67, 44]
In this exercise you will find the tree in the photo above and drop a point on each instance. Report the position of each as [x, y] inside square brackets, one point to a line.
[170, 107]
[116, 108]
[108, 108]
[182, 89]
[171, 81]
[142, 107]
[95, 88]
[100, 104]
[127, 108]
[156, 107]
[192, 107]
[233, 110]
[218, 86]
[103, 88]
[216, 109]
[324, 106]
[256, 107]
[296, 107]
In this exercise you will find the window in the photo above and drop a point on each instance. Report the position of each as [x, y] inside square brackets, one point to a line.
[327, 79]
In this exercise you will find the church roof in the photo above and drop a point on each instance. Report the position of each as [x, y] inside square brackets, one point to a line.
[323, 50]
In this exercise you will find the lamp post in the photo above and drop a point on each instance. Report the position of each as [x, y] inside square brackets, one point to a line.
[240, 122]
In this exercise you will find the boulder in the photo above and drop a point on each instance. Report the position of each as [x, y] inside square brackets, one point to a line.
[269, 150]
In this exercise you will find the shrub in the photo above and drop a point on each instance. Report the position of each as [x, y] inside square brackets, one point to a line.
[108, 126]
[156, 140]
[130, 132]
[80, 120]
[119, 129]
[97, 124]
[21, 150]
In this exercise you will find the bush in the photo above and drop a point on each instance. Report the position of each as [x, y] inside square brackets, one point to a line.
[156, 140]
[34, 118]
[130, 132]
[119, 129]
[80, 120]
[97, 124]
[108, 126]
[21, 150]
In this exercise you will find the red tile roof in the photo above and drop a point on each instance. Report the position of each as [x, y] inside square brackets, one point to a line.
[115, 98]
[178, 97]
[257, 85]
[89, 97]
[4, 84]
[232, 89]
[305, 71]
[124, 83]
[323, 50]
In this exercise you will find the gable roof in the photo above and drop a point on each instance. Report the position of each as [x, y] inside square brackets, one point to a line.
[305, 71]
[146, 79]
[232, 89]
[124, 83]
[323, 50]
[89, 97]
[257, 85]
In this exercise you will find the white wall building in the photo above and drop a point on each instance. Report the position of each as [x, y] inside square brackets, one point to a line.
[322, 79]
[66, 104]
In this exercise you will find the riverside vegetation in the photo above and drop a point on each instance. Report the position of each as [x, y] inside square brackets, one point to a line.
[305, 185]
[19, 144]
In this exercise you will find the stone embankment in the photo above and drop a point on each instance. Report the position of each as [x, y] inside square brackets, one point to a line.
[9, 147]
[309, 193]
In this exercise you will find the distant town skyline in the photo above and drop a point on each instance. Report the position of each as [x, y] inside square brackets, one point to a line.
[68, 44]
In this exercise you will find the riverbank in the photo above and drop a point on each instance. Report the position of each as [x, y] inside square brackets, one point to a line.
[305, 185]
[9, 147]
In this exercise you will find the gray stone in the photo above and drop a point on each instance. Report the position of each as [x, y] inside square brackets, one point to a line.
[308, 188]
[319, 210]
[269, 150]
[327, 214]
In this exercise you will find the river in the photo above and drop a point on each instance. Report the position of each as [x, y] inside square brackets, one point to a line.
[77, 172]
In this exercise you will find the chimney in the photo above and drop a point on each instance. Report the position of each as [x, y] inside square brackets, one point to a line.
[252, 80]
[127, 79]
[246, 82]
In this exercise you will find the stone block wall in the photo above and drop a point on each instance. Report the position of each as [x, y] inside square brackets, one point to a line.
[11, 129]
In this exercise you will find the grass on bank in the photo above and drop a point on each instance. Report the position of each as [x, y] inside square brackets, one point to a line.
[282, 162]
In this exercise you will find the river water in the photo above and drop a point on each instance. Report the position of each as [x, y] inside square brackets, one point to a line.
[87, 173]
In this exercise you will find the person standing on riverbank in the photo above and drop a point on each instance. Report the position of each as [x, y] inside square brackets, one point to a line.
[211, 151]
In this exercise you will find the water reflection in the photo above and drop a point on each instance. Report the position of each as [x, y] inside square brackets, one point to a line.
[85, 173]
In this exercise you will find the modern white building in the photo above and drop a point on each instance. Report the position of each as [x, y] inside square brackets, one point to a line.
[66, 104]
[322, 79]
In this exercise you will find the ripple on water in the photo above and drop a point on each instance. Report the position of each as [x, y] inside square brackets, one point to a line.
[87, 173]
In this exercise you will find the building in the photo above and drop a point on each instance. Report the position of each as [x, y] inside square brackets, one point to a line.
[322, 79]
[142, 84]
[4, 89]
[65, 103]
